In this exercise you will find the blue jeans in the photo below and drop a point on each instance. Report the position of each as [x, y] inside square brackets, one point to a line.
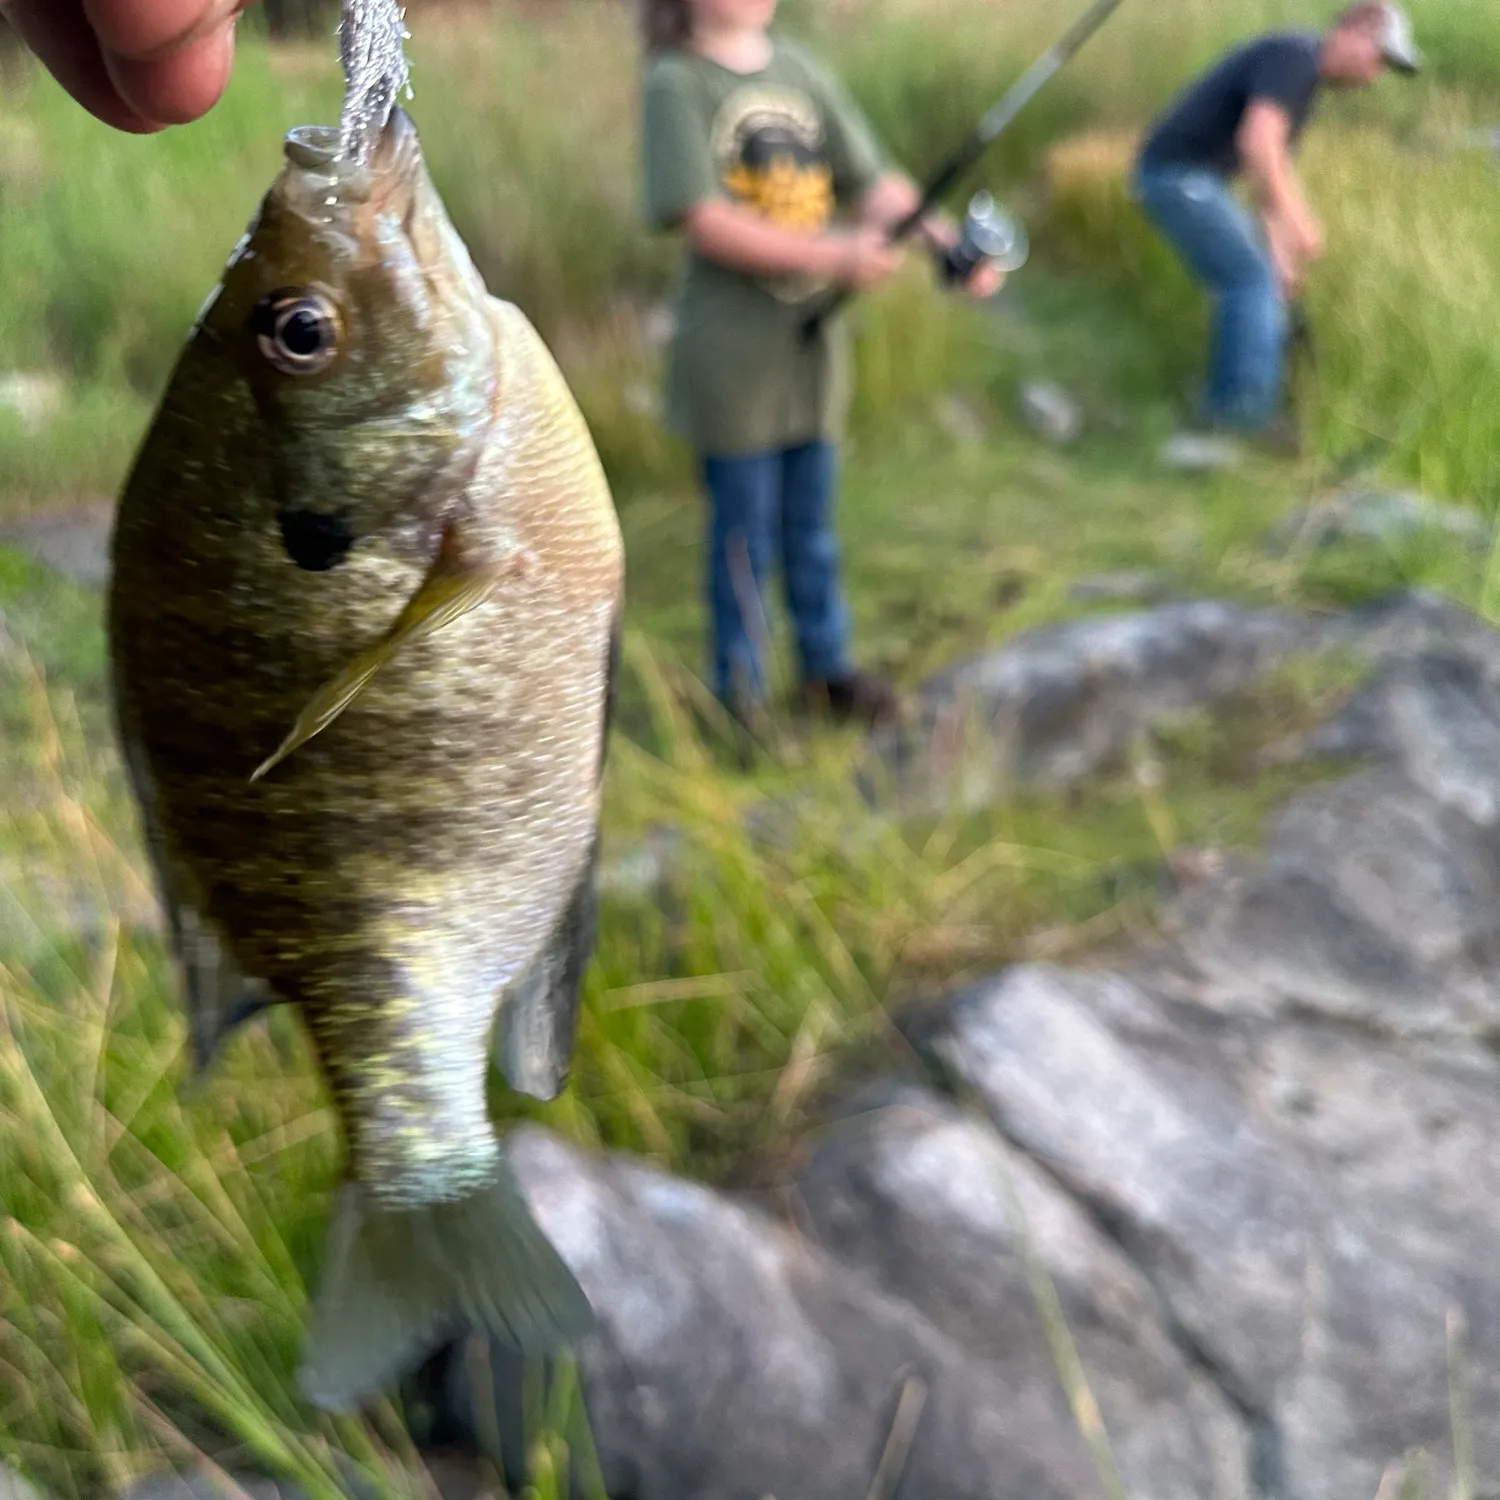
[1221, 245]
[758, 503]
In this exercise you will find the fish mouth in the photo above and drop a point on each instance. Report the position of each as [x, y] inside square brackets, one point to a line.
[314, 146]
[331, 191]
[327, 172]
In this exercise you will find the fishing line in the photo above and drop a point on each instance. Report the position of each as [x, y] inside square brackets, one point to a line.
[372, 47]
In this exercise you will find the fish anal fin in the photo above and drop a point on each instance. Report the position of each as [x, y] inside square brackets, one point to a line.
[454, 585]
[220, 998]
[398, 1284]
[611, 687]
[538, 1015]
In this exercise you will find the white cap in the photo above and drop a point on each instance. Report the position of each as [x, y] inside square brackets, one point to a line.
[1397, 44]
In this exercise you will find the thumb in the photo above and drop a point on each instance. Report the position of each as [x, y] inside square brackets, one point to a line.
[57, 32]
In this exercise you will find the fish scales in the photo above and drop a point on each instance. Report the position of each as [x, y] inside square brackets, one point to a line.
[403, 873]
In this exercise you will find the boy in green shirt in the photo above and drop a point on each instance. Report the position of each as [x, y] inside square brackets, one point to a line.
[752, 148]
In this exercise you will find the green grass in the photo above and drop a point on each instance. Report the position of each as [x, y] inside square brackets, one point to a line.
[154, 1243]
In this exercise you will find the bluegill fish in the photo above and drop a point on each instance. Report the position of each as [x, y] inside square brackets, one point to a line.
[363, 619]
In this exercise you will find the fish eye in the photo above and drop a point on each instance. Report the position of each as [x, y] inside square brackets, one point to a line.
[298, 331]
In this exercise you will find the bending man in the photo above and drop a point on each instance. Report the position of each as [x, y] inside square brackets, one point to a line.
[1244, 117]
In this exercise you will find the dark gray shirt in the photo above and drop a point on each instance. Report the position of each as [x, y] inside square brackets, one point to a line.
[1200, 127]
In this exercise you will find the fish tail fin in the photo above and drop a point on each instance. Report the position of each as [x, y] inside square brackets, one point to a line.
[396, 1285]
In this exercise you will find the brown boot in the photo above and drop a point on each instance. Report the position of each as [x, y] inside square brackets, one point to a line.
[856, 697]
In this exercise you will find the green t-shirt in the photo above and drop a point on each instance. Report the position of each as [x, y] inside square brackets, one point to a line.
[788, 142]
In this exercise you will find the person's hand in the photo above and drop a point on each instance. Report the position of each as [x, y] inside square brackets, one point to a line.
[984, 280]
[1291, 277]
[1284, 242]
[943, 233]
[136, 64]
[1310, 241]
[868, 258]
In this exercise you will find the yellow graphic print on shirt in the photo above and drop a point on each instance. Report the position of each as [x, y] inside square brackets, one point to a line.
[770, 151]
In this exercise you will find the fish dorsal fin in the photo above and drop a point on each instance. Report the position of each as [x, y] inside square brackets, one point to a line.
[453, 586]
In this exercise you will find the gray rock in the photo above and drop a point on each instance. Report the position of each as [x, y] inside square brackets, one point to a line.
[450, 1476]
[1060, 702]
[1050, 412]
[1090, 1075]
[659, 325]
[74, 543]
[1414, 622]
[1404, 864]
[1139, 587]
[1437, 718]
[777, 823]
[32, 396]
[1310, 1202]
[645, 868]
[1200, 453]
[1400, 1150]
[1387, 518]
[643, 398]
[734, 1360]
[211, 1484]
[943, 1213]
[44, 906]
[1273, 938]
[962, 419]
[1374, 903]
[849, 830]
[13, 1487]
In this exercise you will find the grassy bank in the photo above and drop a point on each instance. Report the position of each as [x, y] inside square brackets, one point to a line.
[153, 1246]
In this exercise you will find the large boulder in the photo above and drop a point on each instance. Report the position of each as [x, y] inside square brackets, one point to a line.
[1435, 716]
[1315, 1204]
[1060, 702]
[1057, 704]
[735, 1360]
[942, 1211]
[1387, 519]
[1374, 904]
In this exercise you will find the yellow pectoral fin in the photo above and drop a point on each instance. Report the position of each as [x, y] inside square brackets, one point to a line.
[450, 590]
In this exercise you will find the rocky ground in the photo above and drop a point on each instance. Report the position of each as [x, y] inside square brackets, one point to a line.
[1216, 1220]
[1253, 1159]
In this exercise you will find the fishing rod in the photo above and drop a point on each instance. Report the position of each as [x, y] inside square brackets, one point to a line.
[989, 130]
[1341, 468]
[1300, 333]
